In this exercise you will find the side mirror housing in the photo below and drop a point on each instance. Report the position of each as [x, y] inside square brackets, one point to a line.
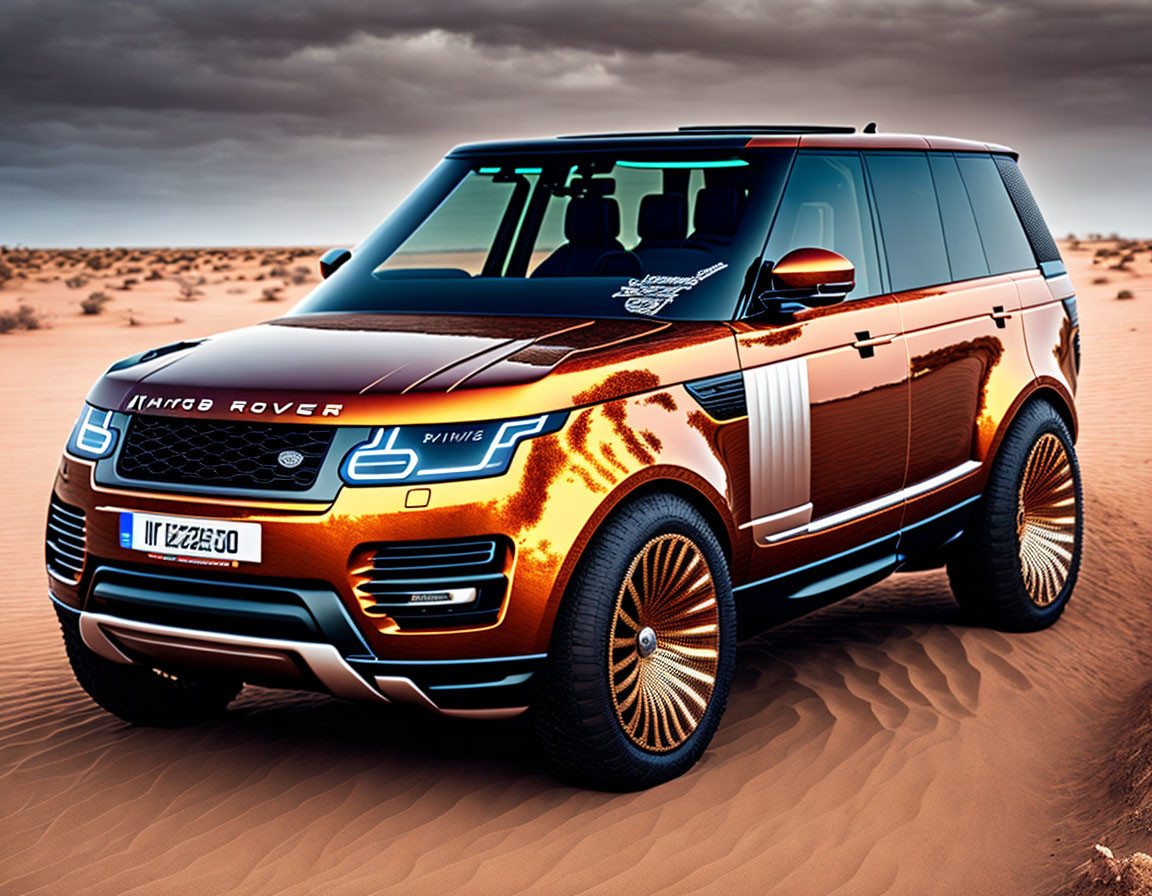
[331, 260]
[811, 278]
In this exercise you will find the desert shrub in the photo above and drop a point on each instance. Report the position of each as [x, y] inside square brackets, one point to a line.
[189, 289]
[95, 303]
[76, 282]
[154, 274]
[1125, 294]
[128, 284]
[1099, 281]
[6, 273]
[235, 290]
[301, 275]
[272, 294]
[23, 318]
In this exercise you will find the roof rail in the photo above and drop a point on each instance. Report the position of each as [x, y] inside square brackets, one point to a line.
[767, 129]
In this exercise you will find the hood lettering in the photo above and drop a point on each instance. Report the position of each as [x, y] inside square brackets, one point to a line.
[142, 402]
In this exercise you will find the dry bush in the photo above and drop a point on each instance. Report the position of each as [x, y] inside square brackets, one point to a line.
[127, 284]
[23, 318]
[154, 274]
[272, 294]
[189, 289]
[235, 290]
[6, 273]
[76, 282]
[1125, 294]
[1098, 281]
[95, 303]
[301, 275]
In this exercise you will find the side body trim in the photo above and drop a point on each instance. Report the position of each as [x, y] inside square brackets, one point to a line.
[780, 446]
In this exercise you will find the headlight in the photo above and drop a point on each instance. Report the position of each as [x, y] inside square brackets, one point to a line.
[93, 435]
[441, 453]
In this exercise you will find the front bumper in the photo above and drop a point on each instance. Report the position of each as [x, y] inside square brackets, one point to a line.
[492, 688]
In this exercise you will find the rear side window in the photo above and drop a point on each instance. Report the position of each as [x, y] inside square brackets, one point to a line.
[1005, 245]
[909, 219]
[1038, 233]
[965, 253]
[825, 206]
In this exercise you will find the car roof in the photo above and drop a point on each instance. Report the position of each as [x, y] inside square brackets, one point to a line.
[730, 137]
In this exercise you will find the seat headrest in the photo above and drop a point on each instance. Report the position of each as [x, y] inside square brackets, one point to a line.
[592, 221]
[718, 211]
[663, 218]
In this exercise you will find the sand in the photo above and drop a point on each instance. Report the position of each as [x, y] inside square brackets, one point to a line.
[881, 746]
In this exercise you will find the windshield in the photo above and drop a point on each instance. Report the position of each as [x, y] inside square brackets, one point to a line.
[594, 234]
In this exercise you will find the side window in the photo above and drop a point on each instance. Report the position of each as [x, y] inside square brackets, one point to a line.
[965, 253]
[909, 219]
[1005, 244]
[825, 206]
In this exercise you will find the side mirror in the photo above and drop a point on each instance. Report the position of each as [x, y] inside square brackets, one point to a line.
[810, 277]
[331, 260]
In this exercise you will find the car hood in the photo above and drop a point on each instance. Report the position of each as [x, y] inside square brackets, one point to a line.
[419, 367]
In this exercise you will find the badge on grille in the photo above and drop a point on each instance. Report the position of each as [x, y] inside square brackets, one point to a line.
[290, 459]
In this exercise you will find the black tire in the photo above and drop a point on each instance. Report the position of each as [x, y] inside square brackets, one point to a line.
[144, 696]
[576, 715]
[997, 582]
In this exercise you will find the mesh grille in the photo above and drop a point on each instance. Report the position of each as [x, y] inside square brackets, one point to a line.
[222, 453]
[1038, 234]
[721, 396]
[65, 542]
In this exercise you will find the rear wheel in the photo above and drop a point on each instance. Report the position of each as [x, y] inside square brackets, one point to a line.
[145, 696]
[642, 652]
[1017, 563]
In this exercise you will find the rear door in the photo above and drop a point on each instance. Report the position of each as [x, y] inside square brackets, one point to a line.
[960, 316]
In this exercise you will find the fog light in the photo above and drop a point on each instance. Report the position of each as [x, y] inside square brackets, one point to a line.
[444, 598]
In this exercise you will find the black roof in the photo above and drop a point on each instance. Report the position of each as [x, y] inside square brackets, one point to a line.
[705, 137]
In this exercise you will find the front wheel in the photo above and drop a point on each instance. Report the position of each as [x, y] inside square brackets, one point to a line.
[642, 652]
[1016, 564]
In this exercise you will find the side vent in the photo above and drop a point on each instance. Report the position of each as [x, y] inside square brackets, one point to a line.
[66, 542]
[721, 396]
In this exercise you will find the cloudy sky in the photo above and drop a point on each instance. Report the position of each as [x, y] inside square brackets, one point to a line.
[214, 122]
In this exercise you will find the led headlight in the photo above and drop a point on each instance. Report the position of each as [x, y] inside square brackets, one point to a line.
[412, 455]
[93, 436]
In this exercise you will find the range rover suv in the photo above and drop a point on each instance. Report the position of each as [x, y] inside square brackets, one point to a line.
[580, 411]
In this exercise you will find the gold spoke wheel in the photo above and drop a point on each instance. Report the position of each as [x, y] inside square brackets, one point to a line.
[1046, 520]
[664, 646]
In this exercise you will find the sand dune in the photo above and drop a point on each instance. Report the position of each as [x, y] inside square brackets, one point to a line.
[881, 746]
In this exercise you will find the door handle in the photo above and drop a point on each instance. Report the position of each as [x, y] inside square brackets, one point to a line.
[1000, 316]
[866, 343]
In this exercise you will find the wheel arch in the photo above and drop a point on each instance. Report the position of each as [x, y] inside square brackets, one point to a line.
[674, 480]
[1043, 389]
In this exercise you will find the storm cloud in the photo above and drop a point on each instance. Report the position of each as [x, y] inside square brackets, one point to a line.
[256, 122]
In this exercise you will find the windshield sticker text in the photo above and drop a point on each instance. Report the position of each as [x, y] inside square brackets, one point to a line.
[655, 291]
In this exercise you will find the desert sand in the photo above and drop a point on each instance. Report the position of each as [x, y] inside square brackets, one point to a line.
[880, 746]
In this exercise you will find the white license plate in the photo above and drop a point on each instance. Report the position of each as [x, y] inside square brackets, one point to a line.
[183, 536]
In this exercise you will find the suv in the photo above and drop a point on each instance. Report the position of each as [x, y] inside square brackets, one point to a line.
[575, 411]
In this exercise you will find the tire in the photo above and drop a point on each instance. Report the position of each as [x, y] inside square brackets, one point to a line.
[143, 696]
[1015, 566]
[615, 730]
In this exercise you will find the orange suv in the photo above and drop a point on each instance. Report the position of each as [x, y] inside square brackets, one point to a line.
[574, 411]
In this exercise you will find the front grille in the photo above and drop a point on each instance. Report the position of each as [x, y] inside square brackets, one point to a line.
[387, 577]
[65, 544]
[222, 453]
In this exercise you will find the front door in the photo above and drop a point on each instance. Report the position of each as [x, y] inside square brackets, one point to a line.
[828, 390]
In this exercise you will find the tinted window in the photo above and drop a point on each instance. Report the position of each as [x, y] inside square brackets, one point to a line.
[825, 206]
[965, 254]
[1005, 244]
[909, 219]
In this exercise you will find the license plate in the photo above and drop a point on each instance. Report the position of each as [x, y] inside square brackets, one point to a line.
[190, 537]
